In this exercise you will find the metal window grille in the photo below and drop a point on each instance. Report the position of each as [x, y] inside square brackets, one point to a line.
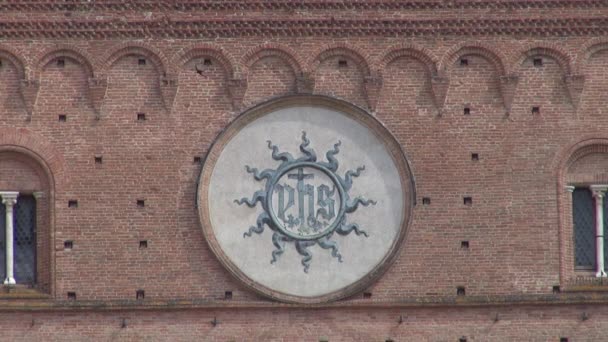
[25, 240]
[584, 228]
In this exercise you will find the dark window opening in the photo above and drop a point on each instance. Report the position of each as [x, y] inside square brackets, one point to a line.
[583, 212]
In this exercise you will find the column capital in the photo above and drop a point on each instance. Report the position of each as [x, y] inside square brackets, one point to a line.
[569, 188]
[598, 190]
[38, 194]
[9, 197]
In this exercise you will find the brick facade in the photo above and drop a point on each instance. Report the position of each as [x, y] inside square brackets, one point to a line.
[191, 67]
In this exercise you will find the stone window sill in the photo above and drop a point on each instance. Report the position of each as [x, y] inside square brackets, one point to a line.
[21, 292]
[586, 283]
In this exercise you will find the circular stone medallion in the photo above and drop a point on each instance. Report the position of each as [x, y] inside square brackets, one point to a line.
[305, 199]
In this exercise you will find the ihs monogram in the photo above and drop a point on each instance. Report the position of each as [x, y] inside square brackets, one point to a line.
[305, 201]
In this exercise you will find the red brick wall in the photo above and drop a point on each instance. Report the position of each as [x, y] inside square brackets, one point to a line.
[438, 324]
[518, 226]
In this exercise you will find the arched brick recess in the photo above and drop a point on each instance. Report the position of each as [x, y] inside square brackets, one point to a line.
[419, 53]
[591, 66]
[12, 56]
[226, 60]
[13, 78]
[477, 87]
[35, 157]
[473, 48]
[563, 58]
[271, 71]
[581, 150]
[361, 58]
[78, 55]
[351, 83]
[283, 52]
[160, 61]
[587, 50]
[167, 80]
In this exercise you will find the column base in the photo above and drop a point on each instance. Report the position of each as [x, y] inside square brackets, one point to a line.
[10, 281]
[601, 274]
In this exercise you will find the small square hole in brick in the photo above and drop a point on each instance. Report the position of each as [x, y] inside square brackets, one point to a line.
[207, 61]
[460, 291]
[467, 200]
[557, 289]
[68, 244]
[467, 111]
[462, 339]
[98, 160]
[538, 62]
[464, 244]
[426, 200]
[143, 244]
[72, 204]
[141, 61]
[141, 203]
[71, 295]
[60, 62]
[563, 339]
[475, 156]
[367, 295]
[63, 118]
[140, 294]
[197, 160]
[535, 110]
[141, 116]
[228, 295]
[464, 62]
[389, 340]
[342, 63]
[0, 63]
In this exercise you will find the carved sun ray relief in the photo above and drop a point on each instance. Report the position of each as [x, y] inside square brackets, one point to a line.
[305, 201]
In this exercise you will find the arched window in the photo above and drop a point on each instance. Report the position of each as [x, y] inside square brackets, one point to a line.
[24, 222]
[586, 177]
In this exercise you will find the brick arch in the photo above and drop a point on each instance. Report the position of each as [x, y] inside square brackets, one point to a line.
[577, 150]
[15, 59]
[25, 146]
[36, 147]
[568, 156]
[282, 52]
[78, 55]
[419, 53]
[588, 49]
[157, 58]
[561, 56]
[483, 50]
[225, 59]
[361, 58]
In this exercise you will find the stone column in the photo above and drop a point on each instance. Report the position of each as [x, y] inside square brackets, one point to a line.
[567, 236]
[598, 194]
[9, 198]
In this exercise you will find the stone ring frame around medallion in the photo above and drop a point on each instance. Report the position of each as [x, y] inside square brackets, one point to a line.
[361, 116]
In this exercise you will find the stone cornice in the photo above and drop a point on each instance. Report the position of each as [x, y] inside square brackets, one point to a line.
[228, 5]
[33, 304]
[165, 27]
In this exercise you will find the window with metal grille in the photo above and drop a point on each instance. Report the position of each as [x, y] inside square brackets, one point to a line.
[24, 239]
[583, 212]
